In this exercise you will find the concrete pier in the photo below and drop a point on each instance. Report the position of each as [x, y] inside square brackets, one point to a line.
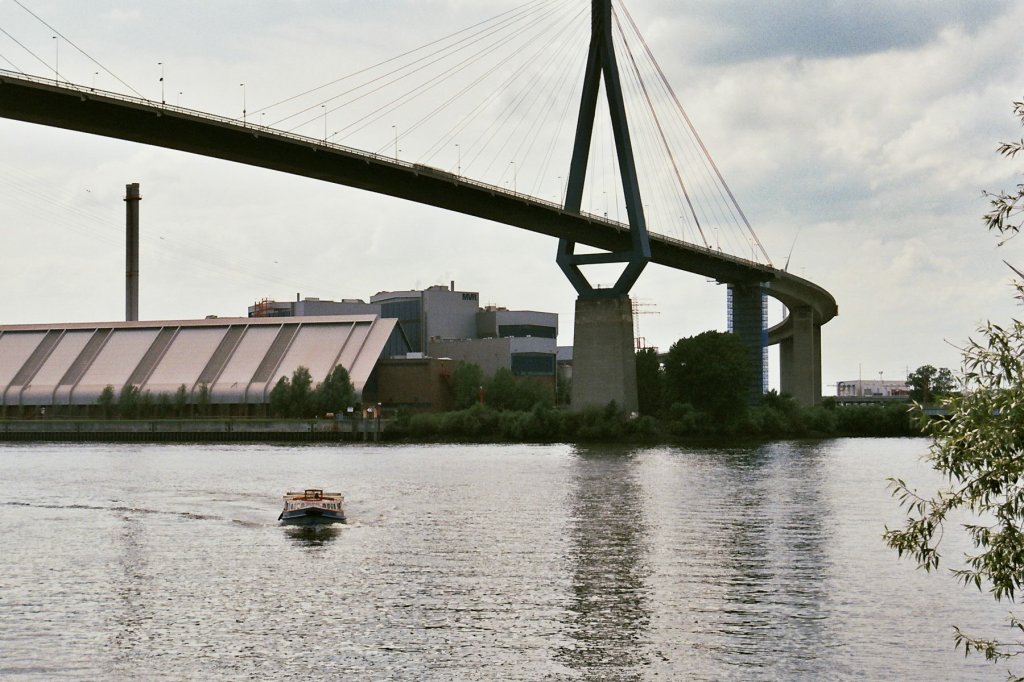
[604, 360]
[800, 358]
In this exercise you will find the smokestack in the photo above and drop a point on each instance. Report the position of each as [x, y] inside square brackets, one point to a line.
[131, 283]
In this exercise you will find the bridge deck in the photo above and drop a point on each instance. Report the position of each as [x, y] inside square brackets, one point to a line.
[112, 115]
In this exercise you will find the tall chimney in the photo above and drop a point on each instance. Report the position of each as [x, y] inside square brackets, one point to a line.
[131, 283]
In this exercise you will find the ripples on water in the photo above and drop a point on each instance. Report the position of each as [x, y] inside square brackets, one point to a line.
[471, 563]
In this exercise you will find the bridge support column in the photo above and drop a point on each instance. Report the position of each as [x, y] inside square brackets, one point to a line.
[748, 319]
[604, 360]
[800, 358]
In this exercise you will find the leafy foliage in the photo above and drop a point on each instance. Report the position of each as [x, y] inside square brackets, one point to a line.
[295, 398]
[180, 401]
[540, 424]
[203, 400]
[336, 392]
[928, 384]
[505, 391]
[710, 371]
[467, 380]
[128, 401]
[1007, 207]
[649, 381]
[980, 450]
[107, 401]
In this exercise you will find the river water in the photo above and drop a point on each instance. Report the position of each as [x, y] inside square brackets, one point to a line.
[166, 562]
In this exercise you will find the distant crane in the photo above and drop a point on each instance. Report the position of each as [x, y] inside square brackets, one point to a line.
[640, 307]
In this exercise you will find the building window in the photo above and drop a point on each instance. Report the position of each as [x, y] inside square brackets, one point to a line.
[533, 364]
[520, 331]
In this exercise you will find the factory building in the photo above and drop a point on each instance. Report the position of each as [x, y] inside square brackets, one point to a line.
[436, 328]
[437, 312]
[441, 322]
[233, 362]
[306, 307]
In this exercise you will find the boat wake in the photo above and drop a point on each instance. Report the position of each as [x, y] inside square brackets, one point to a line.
[121, 509]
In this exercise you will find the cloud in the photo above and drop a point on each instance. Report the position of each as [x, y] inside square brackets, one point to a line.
[858, 134]
[735, 31]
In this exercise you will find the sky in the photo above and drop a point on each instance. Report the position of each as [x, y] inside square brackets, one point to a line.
[858, 138]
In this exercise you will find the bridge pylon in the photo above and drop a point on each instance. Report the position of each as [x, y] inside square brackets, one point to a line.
[604, 368]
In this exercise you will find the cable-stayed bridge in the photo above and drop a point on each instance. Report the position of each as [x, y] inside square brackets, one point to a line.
[245, 139]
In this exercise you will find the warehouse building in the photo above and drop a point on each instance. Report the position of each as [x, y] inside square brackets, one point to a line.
[413, 339]
[233, 362]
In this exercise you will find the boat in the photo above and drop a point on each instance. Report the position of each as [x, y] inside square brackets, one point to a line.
[312, 506]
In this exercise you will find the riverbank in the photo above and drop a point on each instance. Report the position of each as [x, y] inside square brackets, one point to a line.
[483, 424]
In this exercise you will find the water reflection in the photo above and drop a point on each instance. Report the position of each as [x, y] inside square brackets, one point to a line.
[312, 536]
[769, 604]
[664, 564]
[608, 611]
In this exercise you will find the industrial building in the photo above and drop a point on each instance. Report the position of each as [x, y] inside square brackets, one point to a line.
[873, 388]
[234, 362]
[416, 337]
[438, 324]
[306, 307]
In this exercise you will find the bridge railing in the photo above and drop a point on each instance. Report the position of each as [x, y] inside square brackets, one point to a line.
[379, 158]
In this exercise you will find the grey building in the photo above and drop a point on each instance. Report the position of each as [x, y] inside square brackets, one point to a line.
[437, 312]
[523, 356]
[492, 322]
[442, 322]
[308, 307]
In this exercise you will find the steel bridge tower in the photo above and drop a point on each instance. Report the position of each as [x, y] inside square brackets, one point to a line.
[604, 364]
[604, 367]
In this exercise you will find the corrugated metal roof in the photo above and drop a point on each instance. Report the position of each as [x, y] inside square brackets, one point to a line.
[239, 359]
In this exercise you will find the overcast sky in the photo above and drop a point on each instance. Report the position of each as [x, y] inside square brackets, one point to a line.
[856, 135]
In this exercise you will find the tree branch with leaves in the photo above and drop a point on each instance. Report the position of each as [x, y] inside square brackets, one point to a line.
[980, 451]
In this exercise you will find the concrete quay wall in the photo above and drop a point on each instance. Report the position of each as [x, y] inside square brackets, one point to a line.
[189, 430]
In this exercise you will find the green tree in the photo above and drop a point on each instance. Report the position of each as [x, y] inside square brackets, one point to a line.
[467, 380]
[107, 401]
[980, 451]
[203, 400]
[928, 384]
[335, 392]
[507, 392]
[147, 404]
[295, 398]
[302, 404]
[180, 401]
[280, 398]
[128, 402]
[162, 405]
[710, 371]
[649, 381]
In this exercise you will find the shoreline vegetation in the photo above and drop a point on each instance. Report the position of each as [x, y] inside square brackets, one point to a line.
[697, 393]
[779, 418]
